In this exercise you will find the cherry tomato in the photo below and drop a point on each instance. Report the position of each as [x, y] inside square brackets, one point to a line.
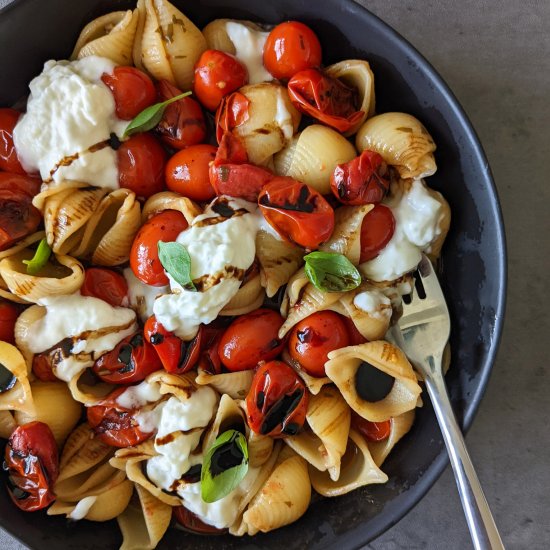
[130, 361]
[8, 315]
[232, 112]
[210, 339]
[18, 217]
[355, 337]
[144, 258]
[363, 180]
[297, 212]
[230, 151]
[373, 431]
[314, 337]
[175, 354]
[277, 401]
[106, 284]
[8, 155]
[187, 172]
[376, 231]
[42, 366]
[291, 47]
[217, 74]
[244, 181]
[251, 338]
[132, 89]
[141, 162]
[192, 522]
[182, 123]
[116, 425]
[32, 462]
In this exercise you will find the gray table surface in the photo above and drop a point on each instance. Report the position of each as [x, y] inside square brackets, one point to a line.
[495, 56]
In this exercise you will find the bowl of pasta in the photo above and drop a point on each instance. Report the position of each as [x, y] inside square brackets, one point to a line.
[210, 214]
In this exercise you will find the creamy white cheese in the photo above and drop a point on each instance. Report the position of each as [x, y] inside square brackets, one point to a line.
[141, 296]
[138, 396]
[417, 218]
[82, 508]
[249, 50]
[373, 302]
[70, 110]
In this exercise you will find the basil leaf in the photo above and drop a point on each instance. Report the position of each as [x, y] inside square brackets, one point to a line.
[150, 117]
[224, 466]
[331, 272]
[176, 261]
[40, 258]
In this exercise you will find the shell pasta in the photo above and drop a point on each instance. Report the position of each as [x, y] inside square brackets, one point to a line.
[197, 335]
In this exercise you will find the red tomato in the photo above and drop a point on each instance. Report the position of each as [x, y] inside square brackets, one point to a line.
[363, 180]
[175, 354]
[297, 211]
[42, 366]
[115, 425]
[192, 522]
[8, 155]
[130, 361]
[8, 315]
[291, 47]
[376, 231]
[210, 340]
[144, 257]
[230, 151]
[324, 98]
[232, 112]
[106, 284]
[373, 431]
[32, 462]
[132, 89]
[182, 122]
[18, 217]
[187, 172]
[244, 181]
[277, 401]
[141, 162]
[217, 74]
[314, 337]
[355, 337]
[251, 338]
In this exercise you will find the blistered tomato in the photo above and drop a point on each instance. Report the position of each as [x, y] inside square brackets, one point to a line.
[372, 431]
[376, 231]
[8, 155]
[106, 284]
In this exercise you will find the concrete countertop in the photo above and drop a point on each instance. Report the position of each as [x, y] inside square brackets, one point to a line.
[495, 57]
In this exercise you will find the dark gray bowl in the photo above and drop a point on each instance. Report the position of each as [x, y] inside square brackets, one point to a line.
[473, 267]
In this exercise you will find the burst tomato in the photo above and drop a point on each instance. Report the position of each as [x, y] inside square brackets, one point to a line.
[8, 155]
[372, 431]
[376, 231]
[297, 212]
[8, 315]
[277, 401]
[232, 112]
[244, 181]
[32, 462]
[144, 258]
[291, 47]
[106, 284]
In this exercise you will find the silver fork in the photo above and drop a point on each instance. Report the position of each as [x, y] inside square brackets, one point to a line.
[424, 332]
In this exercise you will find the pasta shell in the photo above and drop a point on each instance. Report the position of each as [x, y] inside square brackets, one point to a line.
[111, 36]
[21, 331]
[49, 399]
[313, 383]
[434, 249]
[272, 121]
[357, 74]
[342, 367]
[314, 156]
[89, 483]
[48, 191]
[294, 291]
[7, 424]
[65, 278]
[402, 141]
[278, 261]
[228, 416]
[167, 200]
[400, 425]
[260, 448]
[249, 297]
[234, 384]
[216, 35]
[144, 521]
[19, 397]
[358, 469]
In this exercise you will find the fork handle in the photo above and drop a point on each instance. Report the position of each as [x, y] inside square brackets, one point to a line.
[481, 524]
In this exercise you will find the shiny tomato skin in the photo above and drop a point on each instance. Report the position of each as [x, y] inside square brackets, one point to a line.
[144, 258]
[106, 284]
[244, 181]
[251, 338]
[232, 112]
[9, 162]
[31, 458]
[8, 315]
[42, 367]
[376, 231]
[277, 401]
[141, 161]
[187, 172]
[314, 337]
[297, 212]
[115, 425]
[372, 431]
[182, 123]
[132, 90]
[291, 47]
[217, 74]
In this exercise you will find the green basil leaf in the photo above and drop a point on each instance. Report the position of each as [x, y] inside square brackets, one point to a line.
[331, 272]
[150, 117]
[40, 258]
[176, 261]
[224, 466]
